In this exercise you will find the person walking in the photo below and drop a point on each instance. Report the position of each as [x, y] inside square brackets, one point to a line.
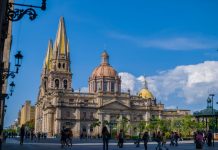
[209, 138]
[138, 140]
[164, 141]
[199, 140]
[121, 138]
[172, 142]
[22, 133]
[158, 140]
[105, 137]
[63, 137]
[145, 138]
[176, 137]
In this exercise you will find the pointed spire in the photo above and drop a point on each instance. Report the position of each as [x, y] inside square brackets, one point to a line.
[145, 83]
[47, 62]
[61, 43]
[104, 58]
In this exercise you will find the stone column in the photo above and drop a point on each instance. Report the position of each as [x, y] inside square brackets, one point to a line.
[36, 119]
[50, 124]
[43, 122]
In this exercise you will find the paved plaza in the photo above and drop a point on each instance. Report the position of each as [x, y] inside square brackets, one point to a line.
[52, 144]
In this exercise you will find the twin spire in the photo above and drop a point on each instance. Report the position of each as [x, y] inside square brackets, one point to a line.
[60, 49]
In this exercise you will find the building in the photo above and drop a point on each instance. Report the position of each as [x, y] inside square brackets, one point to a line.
[58, 105]
[5, 47]
[27, 113]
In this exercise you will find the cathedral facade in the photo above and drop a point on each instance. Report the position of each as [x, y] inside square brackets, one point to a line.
[58, 105]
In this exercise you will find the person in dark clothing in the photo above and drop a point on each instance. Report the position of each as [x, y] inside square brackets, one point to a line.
[105, 137]
[158, 140]
[121, 139]
[138, 140]
[31, 135]
[145, 138]
[209, 138]
[63, 137]
[176, 137]
[22, 133]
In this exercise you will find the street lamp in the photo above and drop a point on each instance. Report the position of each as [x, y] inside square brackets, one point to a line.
[18, 60]
[12, 85]
[15, 14]
[210, 101]
[7, 73]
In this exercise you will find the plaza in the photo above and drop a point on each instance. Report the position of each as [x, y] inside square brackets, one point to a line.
[93, 144]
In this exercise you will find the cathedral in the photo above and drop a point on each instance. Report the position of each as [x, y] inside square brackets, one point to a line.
[59, 105]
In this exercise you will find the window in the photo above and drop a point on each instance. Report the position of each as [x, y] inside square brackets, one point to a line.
[59, 65]
[71, 100]
[56, 83]
[65, 84]
[91, 128]
[63, 65]
[99, 86]
[91, 115]
[68, 114]
[84, 115]
[105, 86]
[112, 86]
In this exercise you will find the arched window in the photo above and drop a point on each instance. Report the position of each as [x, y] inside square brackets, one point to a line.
[56, 83]
[59, 65]
[104, 86]
[63, 65]
[65, 84]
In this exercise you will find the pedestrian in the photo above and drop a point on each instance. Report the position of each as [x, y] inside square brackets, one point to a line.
[31, 135]
[105, 137]
[172, 143]
[22, 133]
[70, 136]
[38, 136]
[158, 140]
[164, 141]
[121, 138]
[145, 138]
[209, 138]
[176, 137]
[138, 140]
[199, 140]
[63, 137]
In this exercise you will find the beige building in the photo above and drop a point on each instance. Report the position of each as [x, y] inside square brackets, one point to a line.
[27, 113]
[58, 105]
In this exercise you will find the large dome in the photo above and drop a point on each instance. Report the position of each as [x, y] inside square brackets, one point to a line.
[104, 70]
[146, 94]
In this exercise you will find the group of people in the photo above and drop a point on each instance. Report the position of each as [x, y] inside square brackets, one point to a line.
[66, 137]
[201, 137]
[29, 134]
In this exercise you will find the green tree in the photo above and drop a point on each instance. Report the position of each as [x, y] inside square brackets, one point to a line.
[30, 124]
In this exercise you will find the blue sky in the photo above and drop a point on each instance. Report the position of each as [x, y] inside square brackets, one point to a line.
[159, 39]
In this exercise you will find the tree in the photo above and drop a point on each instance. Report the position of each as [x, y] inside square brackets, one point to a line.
[30, 124]
[97, 123]
[141, 126]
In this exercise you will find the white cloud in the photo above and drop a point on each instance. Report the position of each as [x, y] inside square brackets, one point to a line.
[192, 83]
[169, 43]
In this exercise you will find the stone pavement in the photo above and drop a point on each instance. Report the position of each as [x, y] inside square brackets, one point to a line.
[13, 144]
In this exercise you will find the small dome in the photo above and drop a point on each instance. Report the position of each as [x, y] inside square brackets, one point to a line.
[145, 94]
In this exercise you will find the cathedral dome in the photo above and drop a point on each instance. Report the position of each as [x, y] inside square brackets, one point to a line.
[145, 94]
[104, 70]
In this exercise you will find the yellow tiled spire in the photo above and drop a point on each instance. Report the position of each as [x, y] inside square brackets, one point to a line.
[47, 62]
[61, 43]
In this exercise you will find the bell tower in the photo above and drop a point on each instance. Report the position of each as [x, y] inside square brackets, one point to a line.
[56, 74]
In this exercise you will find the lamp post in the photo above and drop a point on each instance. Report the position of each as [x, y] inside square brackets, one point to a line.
[210, 101]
